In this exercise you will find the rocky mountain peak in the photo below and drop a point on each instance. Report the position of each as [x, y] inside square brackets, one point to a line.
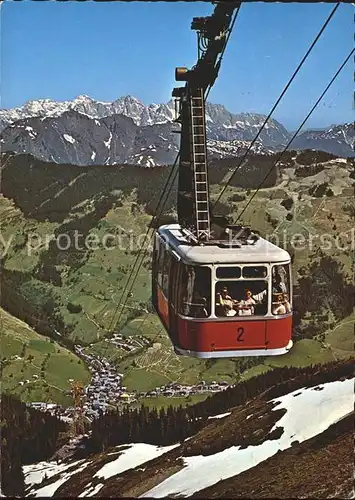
[83, 98]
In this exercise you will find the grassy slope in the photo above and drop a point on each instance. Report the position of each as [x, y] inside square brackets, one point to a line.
[341, 338]
[62, 365]
[97, 286]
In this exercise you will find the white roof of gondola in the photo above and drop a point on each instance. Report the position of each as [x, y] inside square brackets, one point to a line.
[262, 251]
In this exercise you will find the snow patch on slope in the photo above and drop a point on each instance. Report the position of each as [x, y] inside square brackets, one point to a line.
[221, 415]
[108, 142]
[91, 491]
[32, 133]
[69, 138]
[137, 454]
[35, 473]
[50, 489]
[310, 411]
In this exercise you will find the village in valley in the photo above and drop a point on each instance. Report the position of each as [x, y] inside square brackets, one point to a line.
[105, 390]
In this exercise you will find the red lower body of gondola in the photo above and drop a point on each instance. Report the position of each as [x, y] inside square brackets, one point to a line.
[232, 338]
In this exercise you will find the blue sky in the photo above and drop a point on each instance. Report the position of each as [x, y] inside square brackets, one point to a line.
[106, 50]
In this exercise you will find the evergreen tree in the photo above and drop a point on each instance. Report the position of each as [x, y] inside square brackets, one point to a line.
[27, 436]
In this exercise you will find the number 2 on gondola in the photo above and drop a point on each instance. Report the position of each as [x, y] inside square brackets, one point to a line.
[240, 334]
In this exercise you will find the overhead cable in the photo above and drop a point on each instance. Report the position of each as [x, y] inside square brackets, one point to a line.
[297, 131]
[277, 103]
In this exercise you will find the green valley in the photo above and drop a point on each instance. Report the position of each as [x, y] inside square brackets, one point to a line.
[35, 367]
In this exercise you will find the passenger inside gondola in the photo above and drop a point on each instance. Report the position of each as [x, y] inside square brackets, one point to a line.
[225, 304]
[280, 290]
[246, 305]
[278, 306]
[279, 284]
[195, 292]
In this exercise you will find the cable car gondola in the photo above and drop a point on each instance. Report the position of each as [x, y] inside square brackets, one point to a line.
[189, 282]
[225, 291]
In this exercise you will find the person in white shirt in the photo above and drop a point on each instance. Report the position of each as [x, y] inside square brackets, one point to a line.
[226, 303]
[246, 305]
[279, 280]
[278, 307]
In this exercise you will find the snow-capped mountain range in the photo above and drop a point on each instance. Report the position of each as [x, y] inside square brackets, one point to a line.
[87, 132]
[338, 140]
[127, 106]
